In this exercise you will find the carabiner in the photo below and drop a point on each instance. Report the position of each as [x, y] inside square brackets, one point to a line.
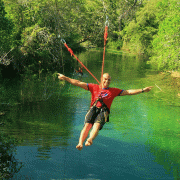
[107, 22]
[63, 41]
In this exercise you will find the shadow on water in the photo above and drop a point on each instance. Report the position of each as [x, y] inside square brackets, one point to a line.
[106, 159]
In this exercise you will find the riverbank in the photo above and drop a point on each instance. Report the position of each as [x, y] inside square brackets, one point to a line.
[166, 86]
[28, 90]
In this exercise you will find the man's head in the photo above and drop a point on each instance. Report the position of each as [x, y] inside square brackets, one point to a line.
[106, 80]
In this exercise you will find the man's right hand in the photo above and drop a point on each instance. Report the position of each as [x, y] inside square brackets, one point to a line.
[61, 76]
[73, 81]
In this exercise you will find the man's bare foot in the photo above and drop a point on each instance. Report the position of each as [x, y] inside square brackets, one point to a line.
[88, 142]
[79, 147]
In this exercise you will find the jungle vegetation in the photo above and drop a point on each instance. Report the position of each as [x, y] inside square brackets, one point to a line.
[31, 34]
[31, 31]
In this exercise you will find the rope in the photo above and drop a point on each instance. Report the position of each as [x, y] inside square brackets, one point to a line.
[72, 54]
[105, 39]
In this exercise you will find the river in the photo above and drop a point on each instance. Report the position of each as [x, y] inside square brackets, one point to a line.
[141, 141]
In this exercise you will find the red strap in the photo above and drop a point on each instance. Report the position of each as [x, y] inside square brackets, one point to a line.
[72, 54]
[105, 35]
[105, 39]
[69, 49]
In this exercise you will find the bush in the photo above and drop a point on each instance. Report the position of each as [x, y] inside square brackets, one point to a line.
[166, 44]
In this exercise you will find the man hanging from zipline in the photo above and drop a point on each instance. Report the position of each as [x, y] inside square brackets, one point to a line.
[101, 99]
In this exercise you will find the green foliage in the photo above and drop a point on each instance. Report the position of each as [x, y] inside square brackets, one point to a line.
[34, 88]
[9, 93]
[139, 33]
[39, 23]
[30, 30]
[116, 45]
[5, 23]
[155, 32]
[166, 44]
[35, 39]
[5, 29]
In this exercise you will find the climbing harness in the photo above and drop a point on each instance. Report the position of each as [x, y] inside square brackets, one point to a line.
[103, 108]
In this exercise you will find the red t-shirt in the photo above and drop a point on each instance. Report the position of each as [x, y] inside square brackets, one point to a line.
[107, 94]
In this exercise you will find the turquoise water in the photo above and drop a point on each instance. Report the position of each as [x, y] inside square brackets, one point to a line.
[141, 141]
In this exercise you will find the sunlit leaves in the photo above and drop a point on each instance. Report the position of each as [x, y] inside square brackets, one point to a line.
[5, 29]
[155, 32]
[139, 24]
[166, 44]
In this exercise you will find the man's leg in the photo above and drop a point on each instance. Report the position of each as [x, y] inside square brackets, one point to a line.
[93, 134]
[83, 135]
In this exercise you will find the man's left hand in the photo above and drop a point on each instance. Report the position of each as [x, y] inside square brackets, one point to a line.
[147, 89]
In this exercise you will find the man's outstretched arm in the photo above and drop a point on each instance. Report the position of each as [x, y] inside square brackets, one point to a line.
[73, 81]
[136, 91]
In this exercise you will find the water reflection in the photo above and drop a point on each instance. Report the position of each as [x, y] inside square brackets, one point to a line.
[141, 141]
[8, 163]
[165, 138]
[169, 159]
[41, 123]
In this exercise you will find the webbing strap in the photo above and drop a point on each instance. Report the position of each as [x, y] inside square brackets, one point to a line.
[103, 104]
[72, 54]
[105, 39]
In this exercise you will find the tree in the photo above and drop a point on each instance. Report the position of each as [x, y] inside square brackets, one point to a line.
[138, 34]
[166, 44]
[5, 34]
